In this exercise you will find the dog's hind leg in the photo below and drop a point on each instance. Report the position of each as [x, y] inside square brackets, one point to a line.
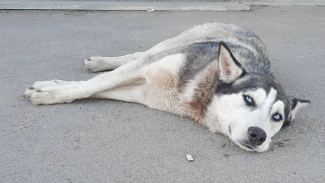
[48, 92]
[128, 93]
[97, 64]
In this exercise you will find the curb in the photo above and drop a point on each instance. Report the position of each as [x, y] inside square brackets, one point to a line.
[118, 5]
[285, 3]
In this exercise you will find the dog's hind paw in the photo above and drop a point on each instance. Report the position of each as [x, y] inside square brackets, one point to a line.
[94, 64]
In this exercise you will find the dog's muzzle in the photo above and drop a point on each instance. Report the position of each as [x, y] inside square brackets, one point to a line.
[256, 137]
[253, 140]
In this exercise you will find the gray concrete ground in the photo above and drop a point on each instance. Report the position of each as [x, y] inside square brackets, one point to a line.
[112, 141]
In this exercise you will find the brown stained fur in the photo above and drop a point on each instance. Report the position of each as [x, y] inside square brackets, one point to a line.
[204, 92]
[162, 84]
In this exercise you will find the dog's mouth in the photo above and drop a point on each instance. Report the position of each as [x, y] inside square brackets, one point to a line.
[248, 146]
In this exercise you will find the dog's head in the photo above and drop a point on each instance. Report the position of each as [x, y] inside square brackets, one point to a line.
[250, 108]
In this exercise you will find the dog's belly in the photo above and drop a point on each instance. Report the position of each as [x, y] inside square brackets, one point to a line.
[160, 87]
[160, 90]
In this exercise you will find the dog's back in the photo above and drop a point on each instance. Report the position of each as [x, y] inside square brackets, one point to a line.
[203, 40]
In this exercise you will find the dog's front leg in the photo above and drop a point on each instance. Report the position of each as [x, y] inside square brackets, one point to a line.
[56, 91]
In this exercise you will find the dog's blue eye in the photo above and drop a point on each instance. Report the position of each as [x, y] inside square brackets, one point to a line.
[249, 100]
[277, 117]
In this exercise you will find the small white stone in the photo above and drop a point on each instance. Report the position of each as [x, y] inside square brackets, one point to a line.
[189, 158]
[150, 10]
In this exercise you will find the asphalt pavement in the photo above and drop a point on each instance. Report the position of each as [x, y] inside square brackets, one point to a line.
[111, 141]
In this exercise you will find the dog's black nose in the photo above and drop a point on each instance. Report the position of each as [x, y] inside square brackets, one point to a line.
[256, 136]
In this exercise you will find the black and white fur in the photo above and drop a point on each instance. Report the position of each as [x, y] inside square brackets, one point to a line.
[216, 74]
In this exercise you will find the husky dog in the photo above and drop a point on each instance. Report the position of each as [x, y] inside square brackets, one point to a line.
[217, 74]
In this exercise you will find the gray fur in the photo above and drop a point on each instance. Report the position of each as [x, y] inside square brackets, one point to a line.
[255, 63]
[198, 56]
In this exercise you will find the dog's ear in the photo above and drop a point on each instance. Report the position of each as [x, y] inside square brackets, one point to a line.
[296, 105]
[229, 68]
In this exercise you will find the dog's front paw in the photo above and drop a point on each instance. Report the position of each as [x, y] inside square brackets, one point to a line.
[41, 96]
[47, 92]
[93, 64]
